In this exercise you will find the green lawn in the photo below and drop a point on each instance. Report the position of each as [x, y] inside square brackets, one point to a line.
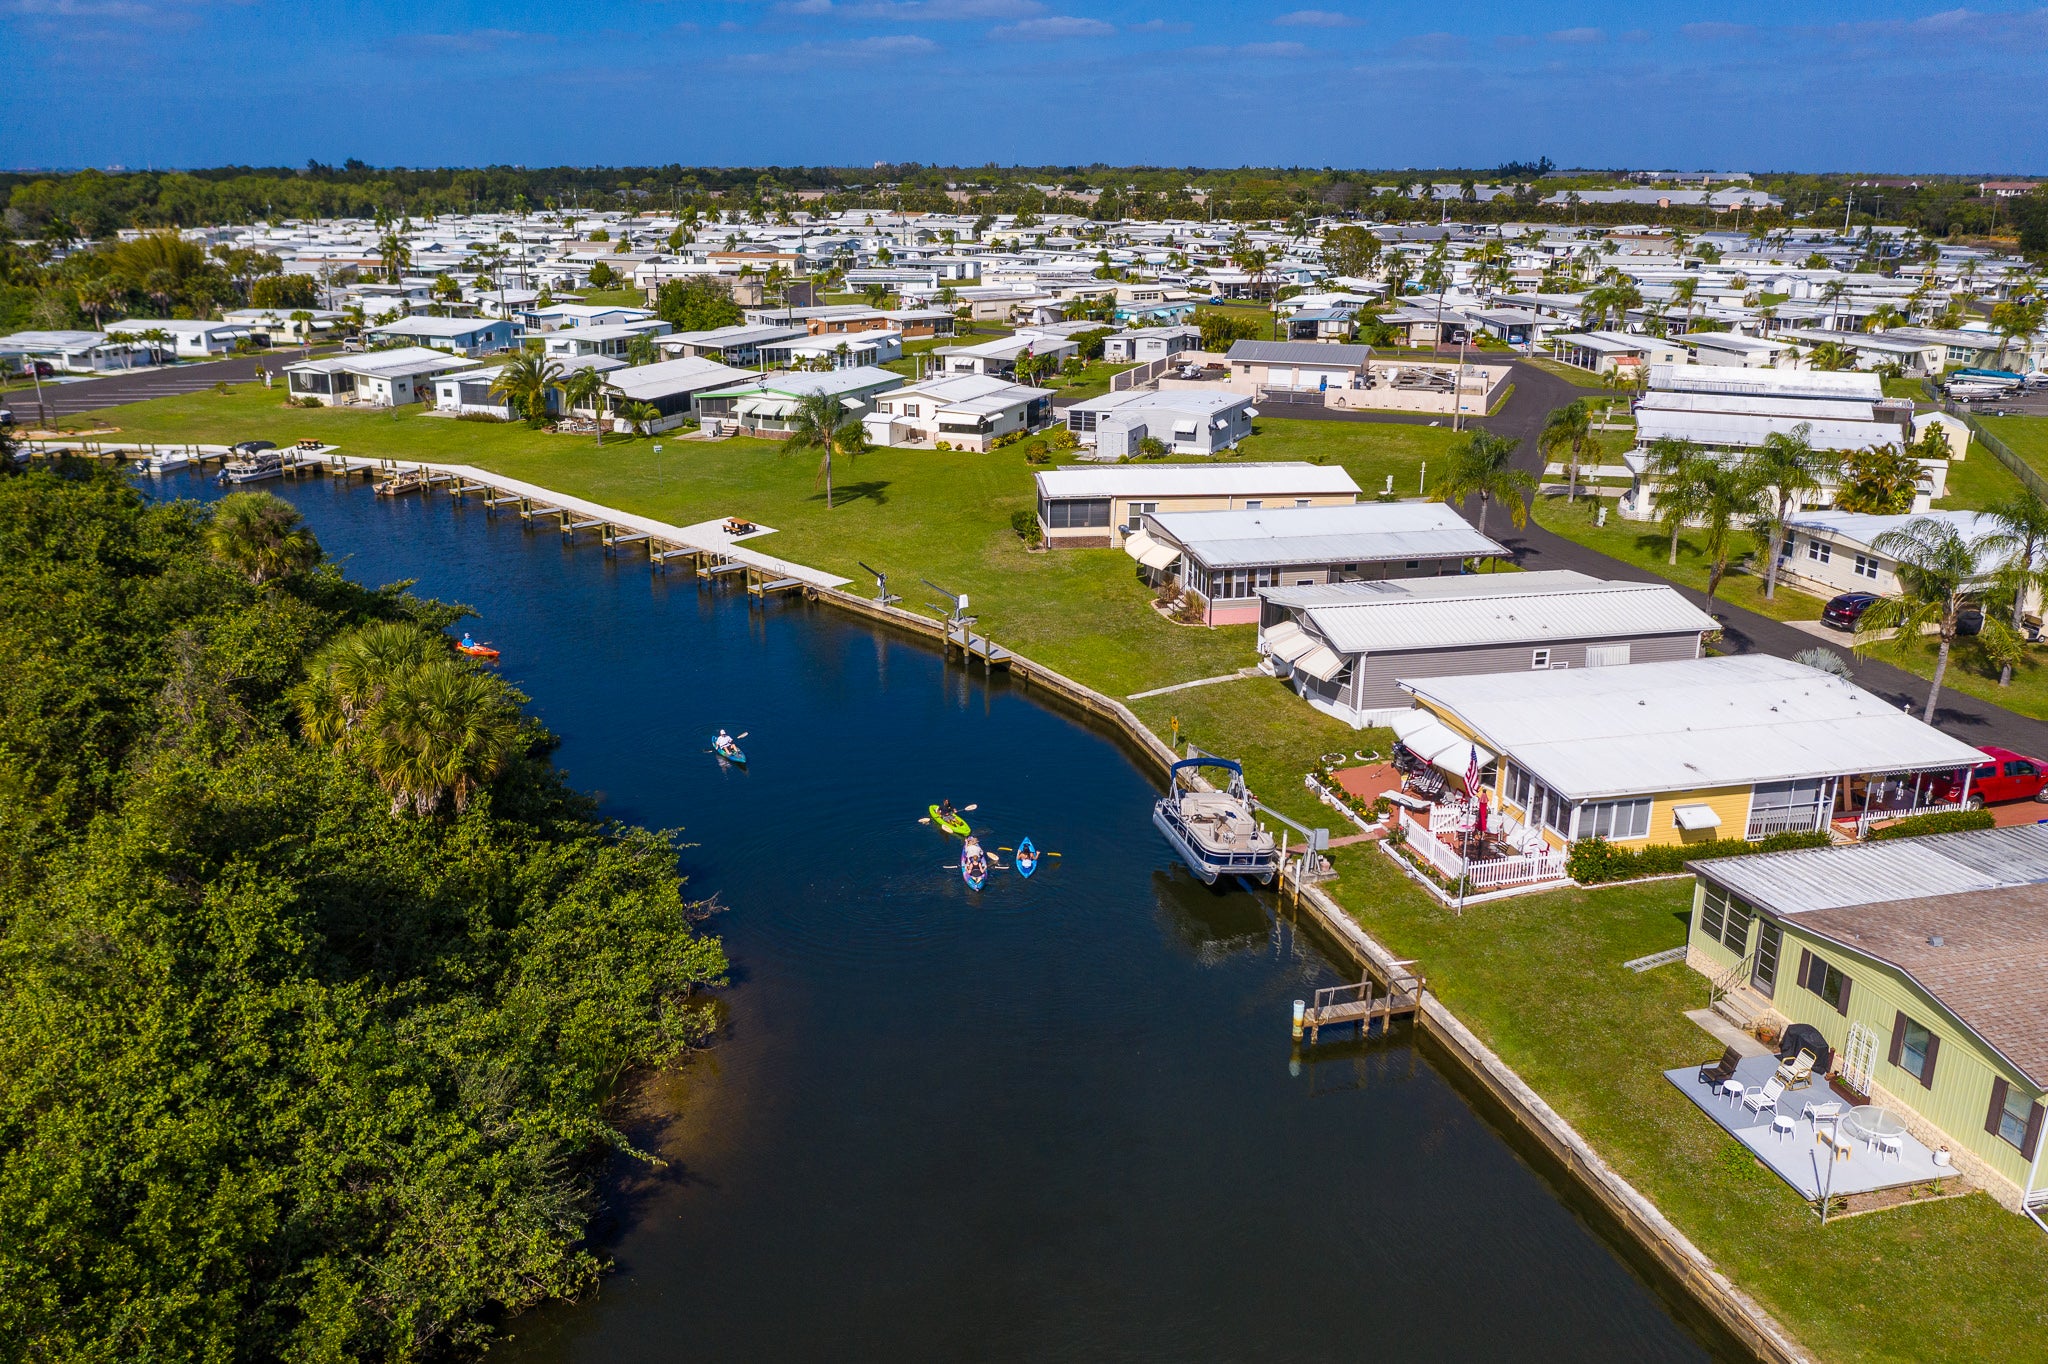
[628, 297]
[1647, 546]
[1372, 451]
[1583, 378]
[1540, 979]
[2026, 437]
[1979, 481]
[1905, 388]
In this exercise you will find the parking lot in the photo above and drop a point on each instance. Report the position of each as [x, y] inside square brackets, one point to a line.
[68, 396]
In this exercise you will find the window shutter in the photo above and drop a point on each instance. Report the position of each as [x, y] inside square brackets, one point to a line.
[1842, 1000]
[1805, 969]
[1997, 1105]
[2033, 1132]
[1898, 1039]
[1927, 1071]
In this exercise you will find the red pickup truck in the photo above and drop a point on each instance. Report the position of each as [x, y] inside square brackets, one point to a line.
[2006, 776]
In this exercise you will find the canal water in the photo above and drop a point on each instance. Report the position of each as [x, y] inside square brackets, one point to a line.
[1055, 1121]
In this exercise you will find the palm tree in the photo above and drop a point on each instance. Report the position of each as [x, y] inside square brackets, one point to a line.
[820, 423]
[1684, 292]
[640, 414]
[1614, 299]
[2015, 320]
[1879, 480]
[260, 535]
[1681, 482]
[441, 729]
[1480, 466]
[349, 677]
[1783, 470]
[1727, 497]
[524, 382]
[583, 389]
[1831, 355]
[2021, 541]
[1570, 426]
[1883, 318]
[1939, 577]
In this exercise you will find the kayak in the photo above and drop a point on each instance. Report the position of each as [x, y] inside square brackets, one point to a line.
[483, 651]
[971, 876]
[730, 752]
[1027, 858]
[953, 825]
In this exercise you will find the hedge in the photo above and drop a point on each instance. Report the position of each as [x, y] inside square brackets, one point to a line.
[1940, 822]
[1594, 860]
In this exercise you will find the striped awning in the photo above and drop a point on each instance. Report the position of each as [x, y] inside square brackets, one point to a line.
[1434, 741]
[1319, 663]
[1287, 641]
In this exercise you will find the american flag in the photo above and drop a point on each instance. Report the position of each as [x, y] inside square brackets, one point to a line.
[1472, 775]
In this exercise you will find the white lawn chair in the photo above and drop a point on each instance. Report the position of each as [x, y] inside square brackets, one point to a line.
[1827, 1112]
[1758, 1099]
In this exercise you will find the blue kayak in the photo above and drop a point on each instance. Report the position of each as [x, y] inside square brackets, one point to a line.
[974, 865]
[730, 752]
[1027, 857]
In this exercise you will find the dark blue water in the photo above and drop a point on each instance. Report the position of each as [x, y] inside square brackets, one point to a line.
[1055, 1121]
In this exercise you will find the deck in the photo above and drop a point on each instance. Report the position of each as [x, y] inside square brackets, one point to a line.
[1798, 1158]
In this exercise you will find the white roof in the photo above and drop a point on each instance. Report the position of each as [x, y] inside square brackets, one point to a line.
[1358, 532]
[687, 375]
[187, 326]
[1193, 403]
[402, 360]
[1591, 733]
[1489, 609]
[1290, 478]
[1775, 383]
[438, 326]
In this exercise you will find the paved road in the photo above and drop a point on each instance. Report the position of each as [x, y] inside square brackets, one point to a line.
[68, 399]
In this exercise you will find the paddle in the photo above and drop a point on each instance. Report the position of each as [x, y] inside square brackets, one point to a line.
[926, 819]
[1042, 853]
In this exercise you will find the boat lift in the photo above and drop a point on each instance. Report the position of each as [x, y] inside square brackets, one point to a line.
[882, 593]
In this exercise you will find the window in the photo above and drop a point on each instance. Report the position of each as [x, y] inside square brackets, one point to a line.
[1825, 979]
[2014, 1117]
[2020, 769]
[1253, 504]
[1077, 513]
[1541, 805]
[1820, 552]
[1606, 655]
[1913, 1049]
[1301, 502]
[1539, 660]
[1615, 819]
[1866, 566]
[1725, 918]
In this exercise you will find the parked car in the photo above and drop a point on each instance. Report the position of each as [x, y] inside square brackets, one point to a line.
[2007, 776]
[1844, 611]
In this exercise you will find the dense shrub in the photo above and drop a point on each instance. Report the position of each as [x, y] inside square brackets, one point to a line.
[1593, 860]
[285, 1075]
[1941, 822]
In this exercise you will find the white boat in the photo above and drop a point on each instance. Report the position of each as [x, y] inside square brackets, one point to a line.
[265, 464]
[1216, 832]
[168, 461]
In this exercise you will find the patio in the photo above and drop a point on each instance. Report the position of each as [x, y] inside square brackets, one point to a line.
[1799, 1157]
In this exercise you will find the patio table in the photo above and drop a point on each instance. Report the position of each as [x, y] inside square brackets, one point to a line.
[1875, 1122]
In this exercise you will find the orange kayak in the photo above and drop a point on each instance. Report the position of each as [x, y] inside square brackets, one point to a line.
[483, 651]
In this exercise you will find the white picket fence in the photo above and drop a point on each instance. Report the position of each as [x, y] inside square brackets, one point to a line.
[1481, 873]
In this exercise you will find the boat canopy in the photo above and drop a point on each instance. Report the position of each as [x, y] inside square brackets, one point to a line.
[1206, 761]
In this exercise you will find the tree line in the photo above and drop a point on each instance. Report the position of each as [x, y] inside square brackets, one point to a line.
[317, 982]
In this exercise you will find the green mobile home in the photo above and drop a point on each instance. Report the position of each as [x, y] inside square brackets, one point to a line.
[1923, 962]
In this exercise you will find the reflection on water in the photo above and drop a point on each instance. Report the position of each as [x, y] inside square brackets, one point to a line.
[1058, 1120]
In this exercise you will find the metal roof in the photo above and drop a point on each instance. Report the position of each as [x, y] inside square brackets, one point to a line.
[687, 375]
[1300, 353]
[1688, 725]
[1285, 478]
[1774, 383]
[1358, 533]
[1511, 613]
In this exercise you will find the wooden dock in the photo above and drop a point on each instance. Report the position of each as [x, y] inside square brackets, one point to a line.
[1364, 1004]
[960, 635]
[762, 587]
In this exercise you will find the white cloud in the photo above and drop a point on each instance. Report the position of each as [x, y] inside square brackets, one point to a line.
[1052, 28]
[1318, 18]
[1578, 35]
[885, 47]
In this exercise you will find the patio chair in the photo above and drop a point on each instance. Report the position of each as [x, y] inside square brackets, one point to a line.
[1759, 1098]
[1827, 1112]
[1716, 1073]
[1798, 1072]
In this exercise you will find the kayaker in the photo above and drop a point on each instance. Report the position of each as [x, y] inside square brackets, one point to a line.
[467, 642]
[723, 741]
[946, 810]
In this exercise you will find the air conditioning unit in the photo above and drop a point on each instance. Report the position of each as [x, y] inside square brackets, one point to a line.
[1560, 664]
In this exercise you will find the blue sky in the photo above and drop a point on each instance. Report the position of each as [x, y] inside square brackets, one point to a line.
[427, 82]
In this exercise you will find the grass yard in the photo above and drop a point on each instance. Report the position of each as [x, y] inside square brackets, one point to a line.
[2026, 437]
[1570, 373]
[627, 297]
[1979, 481]
[1647, 546]
[1540, 979]
[1372, 451]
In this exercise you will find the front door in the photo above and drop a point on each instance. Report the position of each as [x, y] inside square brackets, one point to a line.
[1769, 941]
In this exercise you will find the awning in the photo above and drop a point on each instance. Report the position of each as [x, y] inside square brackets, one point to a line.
[1251, 412]
[1434, 741]
[1319, 663]
[1287, 641]
[1696, 817]
[1159, 556]
[1137, 544]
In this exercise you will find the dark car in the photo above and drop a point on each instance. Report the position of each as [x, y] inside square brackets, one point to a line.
[1844, 611]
